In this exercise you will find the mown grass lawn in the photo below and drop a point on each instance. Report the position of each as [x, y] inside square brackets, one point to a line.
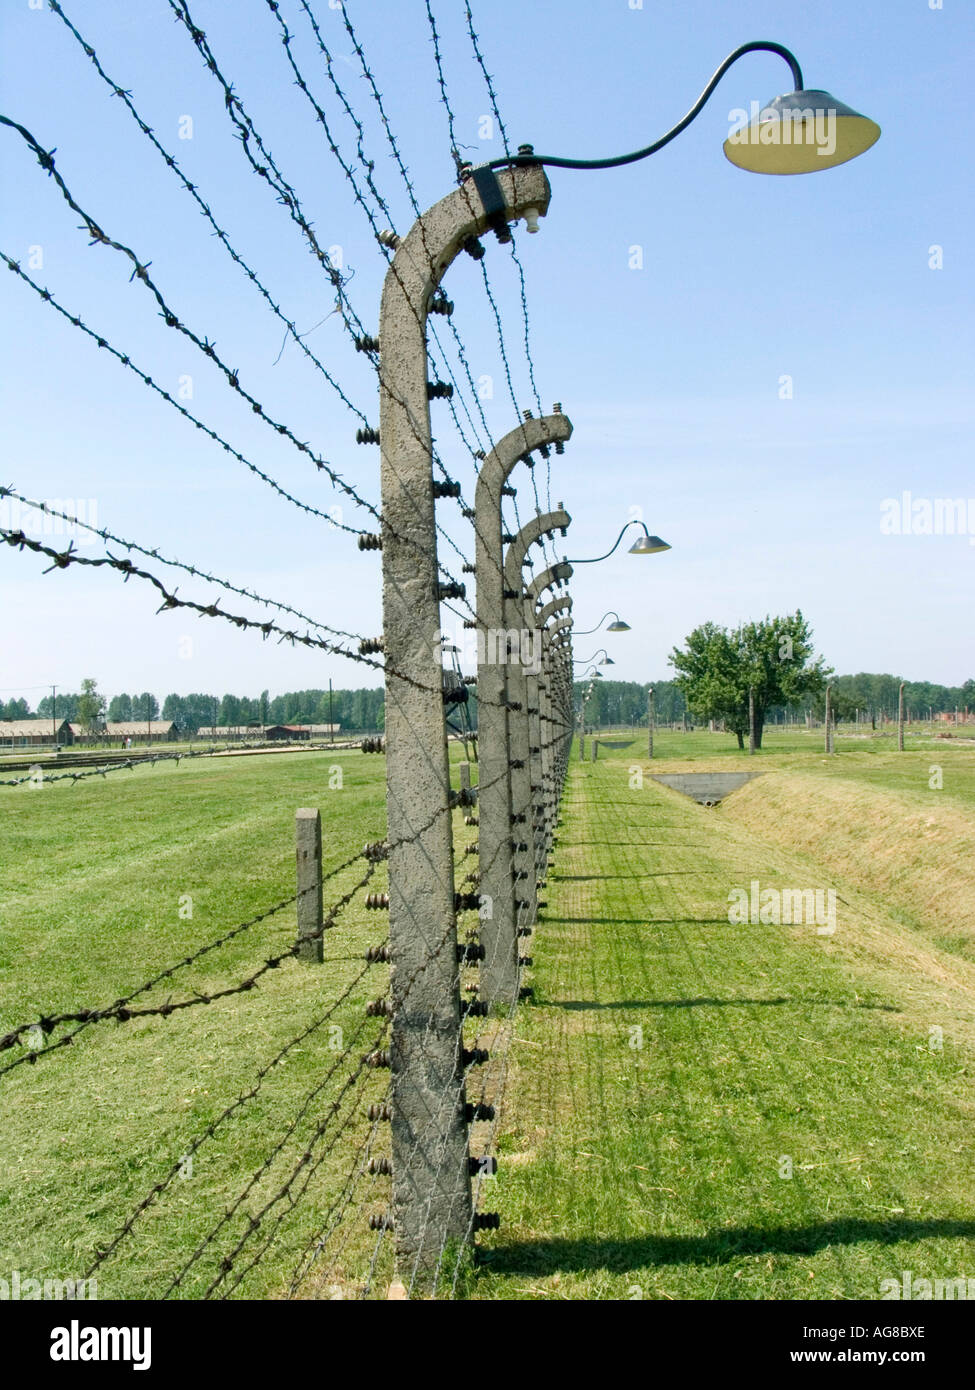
[702, 1110]
[110, 880]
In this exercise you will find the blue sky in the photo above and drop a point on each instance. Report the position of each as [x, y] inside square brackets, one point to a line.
[671, 373]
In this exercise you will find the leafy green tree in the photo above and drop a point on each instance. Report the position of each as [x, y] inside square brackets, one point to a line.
[91, 705]
[772, 658]
[14, 709]
[120, 708]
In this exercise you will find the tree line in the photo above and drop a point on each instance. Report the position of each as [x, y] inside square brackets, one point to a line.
[352, 709]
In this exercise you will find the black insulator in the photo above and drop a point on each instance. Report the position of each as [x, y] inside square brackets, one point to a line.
[519, 818]
[440, 304]
[369, 645]
[366, 344]
[367, 541]
[467, 902]
[371, 745]
[474, 1056]
[470, 622]
[478, 1009]
[468, 512]
[376, 953]
[507, 539]
[511, 593]
[519, 847]
[543, 449]
[507, 491]
[487, 1221]
[439, 390]
[470, 680]
[450, 589]
[470, 951]
[465, 796]
[541, 903]
[378, 1059]
[367, 436]
[474, 248]
[524, 960]
[379, 1008]
[382, 1221]
[457, 695]
[468, 569]
[470, 820]
[375, 851]
[524, 931]
[446, 489]
[487, 1167]
[380, 1165]
[471, 849]
[377, 902]
[517, 762]
[526, 992]
[379, 1112]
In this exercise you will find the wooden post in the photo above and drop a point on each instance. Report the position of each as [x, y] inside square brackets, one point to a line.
[751, 721]
[308, 839]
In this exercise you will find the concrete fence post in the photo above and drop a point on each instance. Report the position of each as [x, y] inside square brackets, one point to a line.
[829, 719]
[308, 843]
[519, 692]
[430, 1156]
[497, 676]
[464, 775]
[900, 718]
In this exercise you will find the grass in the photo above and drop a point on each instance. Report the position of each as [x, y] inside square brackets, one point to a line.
[674, 1067]
[96, 881]
[670, 1065]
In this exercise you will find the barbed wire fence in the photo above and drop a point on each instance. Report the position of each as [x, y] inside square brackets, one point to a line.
[385, 1136]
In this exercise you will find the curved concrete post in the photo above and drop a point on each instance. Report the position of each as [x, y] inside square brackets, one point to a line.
[523, 723]
[431, 1183]
[559, 573]
[498, 935]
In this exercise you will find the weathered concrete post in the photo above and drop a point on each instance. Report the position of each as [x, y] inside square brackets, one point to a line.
[464, 775]
[431, 1183]
[829, 719]
[308, 842]
[900, 718]
[519, 704]
[650, 722]
[499, 969]
[545, 796]
[751, 721]
[547, 707]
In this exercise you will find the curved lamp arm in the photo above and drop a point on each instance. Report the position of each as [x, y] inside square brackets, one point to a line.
[590, 630]
[759, 46]
[585, 660]
[595, 560]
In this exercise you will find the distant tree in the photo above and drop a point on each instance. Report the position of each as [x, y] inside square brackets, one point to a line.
[145, 706]
[15, 709]
[67, 707]
[264, 702]
[772, 658]
[120, 708]
[91, 706]
[230, 710]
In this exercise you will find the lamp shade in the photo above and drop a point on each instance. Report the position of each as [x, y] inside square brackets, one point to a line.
[648, 545]
[800, 133]
[618, 626]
